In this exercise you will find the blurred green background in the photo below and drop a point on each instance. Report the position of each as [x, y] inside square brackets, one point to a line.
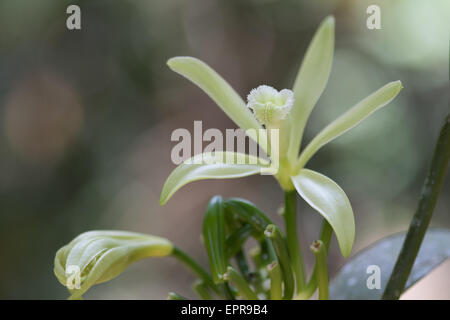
[86, 118]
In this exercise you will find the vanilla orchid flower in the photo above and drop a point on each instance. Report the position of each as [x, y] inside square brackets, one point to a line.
[287, 111]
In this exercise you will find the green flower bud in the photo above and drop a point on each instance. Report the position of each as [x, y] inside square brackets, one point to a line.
[99, 256]
[269, 105]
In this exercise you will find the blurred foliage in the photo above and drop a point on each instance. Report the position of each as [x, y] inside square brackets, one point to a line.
[86, 118]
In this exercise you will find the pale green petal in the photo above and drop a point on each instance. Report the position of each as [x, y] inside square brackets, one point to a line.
[325, 196]
[311, 81]
[350, 119]
[211, 166]
[221, 92]
[102, 255]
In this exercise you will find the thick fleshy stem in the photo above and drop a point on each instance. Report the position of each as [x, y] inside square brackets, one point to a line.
[240, 283]
[325, 237]
[419, 223]
[274, 234]
[195, 267]
[319, 250]
[201, 289]
[295, 252]
[276, 281]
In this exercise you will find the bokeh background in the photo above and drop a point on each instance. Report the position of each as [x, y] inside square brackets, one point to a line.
[86, 118]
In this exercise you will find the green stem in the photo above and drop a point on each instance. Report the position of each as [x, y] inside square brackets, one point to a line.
[256, 257]
[175, 296]
[295, 253]
[201, 289]
[236, 240]
[241, 262]
[419, 223]
[241, 285]
[319, 250]
[195, 267]
[325, 237]
[275, 281]
[274, 234]
[226, 291]
[268, 254]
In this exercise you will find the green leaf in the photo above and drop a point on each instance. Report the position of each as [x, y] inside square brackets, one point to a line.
[214, 236]
[247, 212]
[211, 166]
[350, 119]
[98, 256]
[220, 91]
[351, 281]
[237, 238]
[311, 81]
[325, 196]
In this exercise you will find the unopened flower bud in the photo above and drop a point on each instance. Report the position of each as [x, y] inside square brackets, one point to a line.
[98, 256]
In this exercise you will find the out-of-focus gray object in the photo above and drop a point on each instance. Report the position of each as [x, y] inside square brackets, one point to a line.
[351, 281]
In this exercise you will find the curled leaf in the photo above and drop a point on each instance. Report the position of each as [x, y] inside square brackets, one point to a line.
[214, 235]
[237, 238]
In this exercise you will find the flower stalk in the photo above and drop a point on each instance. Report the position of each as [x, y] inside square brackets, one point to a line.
[276, 282]
[325, 237]
[240, 283]
[290, 218]
[319, 250]
[201, 289]
[274, 234]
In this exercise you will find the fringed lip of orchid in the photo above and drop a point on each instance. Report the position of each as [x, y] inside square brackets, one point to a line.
[269, 105]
